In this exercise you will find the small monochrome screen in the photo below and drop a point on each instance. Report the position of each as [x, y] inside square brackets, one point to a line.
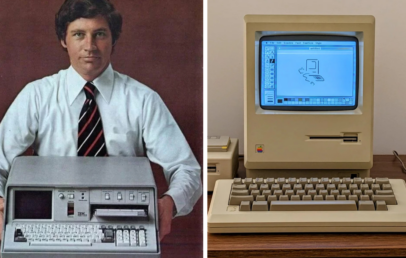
[32, 204]
[308, 72]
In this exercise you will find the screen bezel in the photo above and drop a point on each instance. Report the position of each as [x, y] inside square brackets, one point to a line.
[305, 37]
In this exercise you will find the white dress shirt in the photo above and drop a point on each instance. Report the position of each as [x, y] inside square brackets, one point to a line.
[45, 115]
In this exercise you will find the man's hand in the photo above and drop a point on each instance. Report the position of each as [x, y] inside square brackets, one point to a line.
[165, 209]
[1, 216]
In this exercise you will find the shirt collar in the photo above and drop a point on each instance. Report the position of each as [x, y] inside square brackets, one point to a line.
[104, 84]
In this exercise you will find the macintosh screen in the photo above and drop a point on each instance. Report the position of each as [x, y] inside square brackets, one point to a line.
[308, 72]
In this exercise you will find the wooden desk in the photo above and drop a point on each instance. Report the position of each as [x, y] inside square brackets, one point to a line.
[316, 244]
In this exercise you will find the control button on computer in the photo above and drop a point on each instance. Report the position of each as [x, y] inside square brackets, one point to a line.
[119, 196]
[107, 196]
[131, 197]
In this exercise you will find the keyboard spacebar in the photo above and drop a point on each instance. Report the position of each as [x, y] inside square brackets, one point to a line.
[313, 206]
[60, 243]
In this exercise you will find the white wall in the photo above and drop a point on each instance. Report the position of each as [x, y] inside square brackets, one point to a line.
[226, 62]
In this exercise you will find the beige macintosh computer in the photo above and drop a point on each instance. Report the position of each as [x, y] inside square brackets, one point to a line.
[308, 113]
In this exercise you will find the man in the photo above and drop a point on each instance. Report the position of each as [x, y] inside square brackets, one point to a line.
[91, 110]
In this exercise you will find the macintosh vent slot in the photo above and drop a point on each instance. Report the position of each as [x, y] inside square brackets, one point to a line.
[211, 168]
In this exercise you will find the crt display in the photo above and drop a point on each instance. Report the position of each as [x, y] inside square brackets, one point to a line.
[308, 72]
[32, 204]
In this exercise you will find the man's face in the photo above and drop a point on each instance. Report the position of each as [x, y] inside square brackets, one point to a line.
[89, 45]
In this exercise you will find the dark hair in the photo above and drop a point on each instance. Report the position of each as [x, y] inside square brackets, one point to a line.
[75, 9]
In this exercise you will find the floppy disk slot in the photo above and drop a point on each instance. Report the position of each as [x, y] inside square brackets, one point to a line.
[344, 138]
[211, 168]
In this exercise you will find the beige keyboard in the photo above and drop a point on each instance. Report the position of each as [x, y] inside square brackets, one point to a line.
[308, 205]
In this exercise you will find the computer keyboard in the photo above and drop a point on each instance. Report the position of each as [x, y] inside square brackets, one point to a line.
[79, 235]
[308, 205]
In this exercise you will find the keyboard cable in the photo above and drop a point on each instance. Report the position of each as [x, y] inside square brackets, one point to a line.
[401, 162]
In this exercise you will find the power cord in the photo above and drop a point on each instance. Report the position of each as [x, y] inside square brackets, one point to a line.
[401, 162]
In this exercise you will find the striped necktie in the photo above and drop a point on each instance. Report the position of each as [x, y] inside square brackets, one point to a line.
[90, 130]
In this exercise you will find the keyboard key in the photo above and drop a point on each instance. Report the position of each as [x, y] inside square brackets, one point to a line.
[289, 193]
[307, 198]
[357, 181]
[347, 181]
[325, 181]
[384, 192]
[259, 181]
[245, 206]
[239, 192]
[389, 199]
[254, 193]
[270, 181]
[381, 206]
[260, 206]
[375, 187]
[272, 198]
[266, 193]
[386, 187]
[336, 181]
[237, 181]
[283, 198]
[303, 181]
[236, 200]
[318, 198]
[239, 187]
[253, 187]
[382, 180]
[260, 198]
[35, 243]
[364, 198]
[292, 181]
[369, 181]
[248, 181]
[313, 206]
[264, 187]
[366, 205]
[341, 198]
[295, 198]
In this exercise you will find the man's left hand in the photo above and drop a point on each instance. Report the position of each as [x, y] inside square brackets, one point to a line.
[165, 208]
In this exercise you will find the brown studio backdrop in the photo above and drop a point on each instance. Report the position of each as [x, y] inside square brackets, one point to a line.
[161, 45]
